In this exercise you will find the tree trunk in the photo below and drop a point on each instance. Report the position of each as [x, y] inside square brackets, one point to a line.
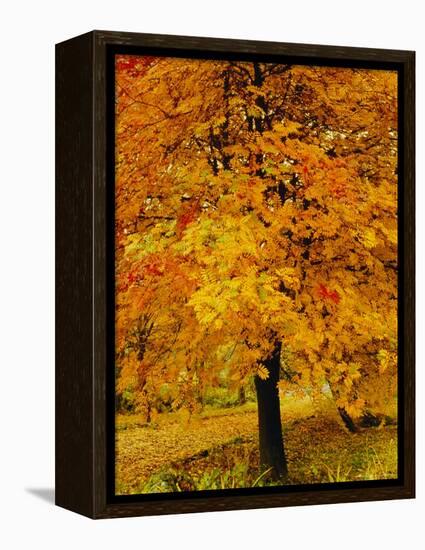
[241, 395]
[343, 413]
[348, 421]
[374, 420]
[272, 454]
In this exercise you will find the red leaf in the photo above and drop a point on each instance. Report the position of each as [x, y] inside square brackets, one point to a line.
[327, 294]
[334, 296]
[154, 269]
[133, 64]
[187, 217]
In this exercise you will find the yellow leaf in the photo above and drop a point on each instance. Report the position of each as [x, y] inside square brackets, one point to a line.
[218, 324]
[262, 372]
[368, 238]
[384, 359]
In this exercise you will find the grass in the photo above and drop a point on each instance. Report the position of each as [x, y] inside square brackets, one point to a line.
[126, 421]
[218, 449]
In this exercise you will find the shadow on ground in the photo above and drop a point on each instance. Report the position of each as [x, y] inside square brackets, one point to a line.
[44, 493]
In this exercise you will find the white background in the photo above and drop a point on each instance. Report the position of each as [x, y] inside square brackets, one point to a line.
[29, 30]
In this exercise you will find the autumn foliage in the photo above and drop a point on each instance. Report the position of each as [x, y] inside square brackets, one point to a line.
[256, 216]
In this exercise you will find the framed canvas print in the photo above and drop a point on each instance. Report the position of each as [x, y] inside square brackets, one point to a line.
[235, 274]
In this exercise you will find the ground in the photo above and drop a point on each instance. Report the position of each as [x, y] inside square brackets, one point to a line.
[219, 449]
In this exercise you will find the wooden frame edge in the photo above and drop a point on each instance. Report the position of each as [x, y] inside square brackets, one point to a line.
[91, 472]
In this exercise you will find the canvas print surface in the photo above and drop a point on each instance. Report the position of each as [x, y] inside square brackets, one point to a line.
[255, 274]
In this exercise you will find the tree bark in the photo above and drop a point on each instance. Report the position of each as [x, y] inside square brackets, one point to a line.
[272, 454]
[343, 413]
[241, 395]
[348, 421]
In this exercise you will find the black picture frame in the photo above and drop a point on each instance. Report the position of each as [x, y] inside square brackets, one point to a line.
[85, 274]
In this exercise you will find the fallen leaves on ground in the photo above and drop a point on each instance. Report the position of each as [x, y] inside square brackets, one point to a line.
[222, 450]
